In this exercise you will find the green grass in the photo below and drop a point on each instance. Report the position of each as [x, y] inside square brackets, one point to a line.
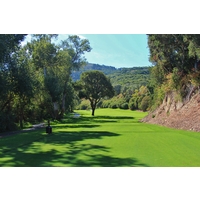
[112, 138]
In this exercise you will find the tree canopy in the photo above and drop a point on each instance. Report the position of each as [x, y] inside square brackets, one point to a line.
[95, 86]
[35, 82]
[176, 64]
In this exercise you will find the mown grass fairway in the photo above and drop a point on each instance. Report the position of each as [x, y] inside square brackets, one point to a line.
[111, 138]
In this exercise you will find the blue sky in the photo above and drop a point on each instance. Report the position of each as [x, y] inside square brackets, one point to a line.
[118, 50]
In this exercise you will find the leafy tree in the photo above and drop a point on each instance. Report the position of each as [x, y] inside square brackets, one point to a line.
[95, 86]
[176, 59]
[9, 44]
[75, 47]
[170, 51]
[25, 83]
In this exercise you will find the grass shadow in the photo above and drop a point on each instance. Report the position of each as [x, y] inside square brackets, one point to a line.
[72, 153]
[94, 119]
[64, 148]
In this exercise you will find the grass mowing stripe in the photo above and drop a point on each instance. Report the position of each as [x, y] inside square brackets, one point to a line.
[111, 138]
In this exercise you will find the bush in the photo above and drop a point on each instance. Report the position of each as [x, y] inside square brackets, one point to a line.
[7, 122]
[124, 106]
[113, 106]
[84, 105]
[105, 104]
[133, 104]
[145, 103]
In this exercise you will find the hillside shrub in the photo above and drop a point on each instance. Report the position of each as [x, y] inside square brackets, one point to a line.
[145, 103]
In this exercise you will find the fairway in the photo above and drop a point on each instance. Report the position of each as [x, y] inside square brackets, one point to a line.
[112, 138]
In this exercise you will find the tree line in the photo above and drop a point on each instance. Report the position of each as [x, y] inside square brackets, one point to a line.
[35, 82]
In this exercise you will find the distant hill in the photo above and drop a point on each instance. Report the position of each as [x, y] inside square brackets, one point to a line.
[130, 77]
[105, 69]
[135, 76]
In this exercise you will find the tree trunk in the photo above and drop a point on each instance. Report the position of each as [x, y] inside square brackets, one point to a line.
[55, 107]
[93, 109]
[21, 122]
[63, 103]
[93, 106]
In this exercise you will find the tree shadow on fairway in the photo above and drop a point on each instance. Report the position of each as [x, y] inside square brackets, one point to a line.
[78, 126]
[68, 136]
[94, 119]
[112, 117]
[66, 149]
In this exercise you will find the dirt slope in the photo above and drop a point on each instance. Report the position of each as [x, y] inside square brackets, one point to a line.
[177, 114]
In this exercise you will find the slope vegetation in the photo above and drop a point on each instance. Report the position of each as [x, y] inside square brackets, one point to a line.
[177, 114]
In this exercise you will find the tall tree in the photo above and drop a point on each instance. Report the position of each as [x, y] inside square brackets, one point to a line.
[25, 83]
[9, 44]
[54, 63]
[170, 51]
[95, 86]
[57, 62]
[76, 48]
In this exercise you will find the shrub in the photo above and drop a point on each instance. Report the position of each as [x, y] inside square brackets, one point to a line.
[7, 122]
[124, 106]
[84, 105]
[145, 103]
[133, 104]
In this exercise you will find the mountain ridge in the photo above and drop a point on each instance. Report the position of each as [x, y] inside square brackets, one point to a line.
[107, 70]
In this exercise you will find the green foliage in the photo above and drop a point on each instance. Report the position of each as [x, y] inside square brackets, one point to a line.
[7, 122]
[76, 74]
[122, 79]
[133, 103]
[176, 78]
[95, 86]
[124, 106]
[170, 51]
[115, 102]
[137, 102]
[76, 47]
[84, 105]
[176, 59]
[35, 81]
[129, 78]
[9, 43]
[145, 103]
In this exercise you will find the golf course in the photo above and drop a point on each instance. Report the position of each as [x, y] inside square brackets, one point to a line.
[111, 138]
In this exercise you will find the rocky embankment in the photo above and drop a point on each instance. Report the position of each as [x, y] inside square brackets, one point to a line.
[176, 114]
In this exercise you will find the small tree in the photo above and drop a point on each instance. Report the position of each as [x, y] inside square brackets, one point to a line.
[95, 85]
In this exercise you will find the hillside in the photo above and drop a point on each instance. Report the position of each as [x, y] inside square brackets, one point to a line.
[180, 115]
[134, 77]
[105, 69]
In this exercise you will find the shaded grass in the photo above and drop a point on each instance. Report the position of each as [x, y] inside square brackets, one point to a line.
[111, 138]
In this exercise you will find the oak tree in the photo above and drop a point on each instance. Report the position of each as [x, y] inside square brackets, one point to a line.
[95, 86]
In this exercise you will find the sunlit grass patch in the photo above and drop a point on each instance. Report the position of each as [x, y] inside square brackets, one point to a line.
[112, 137]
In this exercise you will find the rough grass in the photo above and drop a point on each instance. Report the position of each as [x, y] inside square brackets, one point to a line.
[112, 138]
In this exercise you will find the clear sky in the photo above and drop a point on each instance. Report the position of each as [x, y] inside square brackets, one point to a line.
[118, 50]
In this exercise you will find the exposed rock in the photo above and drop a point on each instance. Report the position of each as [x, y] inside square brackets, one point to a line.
[176, 114]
